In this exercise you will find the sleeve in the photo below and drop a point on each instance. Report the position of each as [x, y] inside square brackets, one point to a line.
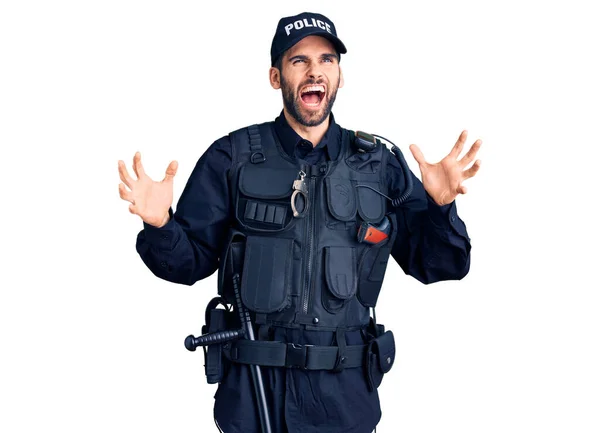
[187, 248]
[432, 243]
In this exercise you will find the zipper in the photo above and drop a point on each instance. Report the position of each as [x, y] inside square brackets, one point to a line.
[311, 234]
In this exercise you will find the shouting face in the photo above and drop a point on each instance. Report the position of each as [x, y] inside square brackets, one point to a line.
[309, 78]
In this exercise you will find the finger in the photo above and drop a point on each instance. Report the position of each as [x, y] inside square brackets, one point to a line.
[458, 146]
[132, 209]
[125, 194]
[473, 170]
[470, 155]
[461, 189]
[417, 154]
[138, 168]
[171, 171]
[124, 175]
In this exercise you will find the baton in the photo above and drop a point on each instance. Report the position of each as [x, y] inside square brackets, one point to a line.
[247, 331]
[259, 387]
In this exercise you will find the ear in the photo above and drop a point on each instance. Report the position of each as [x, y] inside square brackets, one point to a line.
[341, 79]
[275, 78]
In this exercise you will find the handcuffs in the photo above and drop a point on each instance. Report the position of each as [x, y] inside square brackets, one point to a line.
[300, 187]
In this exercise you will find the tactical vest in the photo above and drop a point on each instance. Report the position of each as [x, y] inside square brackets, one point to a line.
[311, 270]
[300, 255]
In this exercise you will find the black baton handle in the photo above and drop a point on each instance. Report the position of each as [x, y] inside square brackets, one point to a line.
[192, 342]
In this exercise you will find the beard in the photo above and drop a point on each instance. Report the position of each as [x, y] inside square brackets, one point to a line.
[292, 104]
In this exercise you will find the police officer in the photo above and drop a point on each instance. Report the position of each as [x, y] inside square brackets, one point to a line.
[305, 213]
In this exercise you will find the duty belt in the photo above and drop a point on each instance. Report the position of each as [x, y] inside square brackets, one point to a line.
[291, 355]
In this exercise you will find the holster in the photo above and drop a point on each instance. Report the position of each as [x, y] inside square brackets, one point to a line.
[217, 319]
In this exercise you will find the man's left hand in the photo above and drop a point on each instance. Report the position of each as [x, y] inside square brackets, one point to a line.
[443, 180]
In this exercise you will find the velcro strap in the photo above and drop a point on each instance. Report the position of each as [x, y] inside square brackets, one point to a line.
[290, 355]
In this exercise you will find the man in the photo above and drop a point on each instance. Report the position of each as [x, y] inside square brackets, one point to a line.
[304, 214]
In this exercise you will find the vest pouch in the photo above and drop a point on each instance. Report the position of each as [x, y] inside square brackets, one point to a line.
[341, 199]
[263, 199]
[381, 353]
[371, 271]
[371, 204]
[340, 277]
[267, 274]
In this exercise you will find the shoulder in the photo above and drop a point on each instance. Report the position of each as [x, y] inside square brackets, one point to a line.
[244, 130]
[367, 141]
[247, 140]
[227, 142]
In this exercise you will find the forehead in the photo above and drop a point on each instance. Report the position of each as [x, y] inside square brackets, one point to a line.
[311, 46]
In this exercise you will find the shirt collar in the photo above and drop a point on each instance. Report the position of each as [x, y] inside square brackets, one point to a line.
[289, 139]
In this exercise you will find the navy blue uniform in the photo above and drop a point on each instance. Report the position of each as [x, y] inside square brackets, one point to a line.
[431, 245]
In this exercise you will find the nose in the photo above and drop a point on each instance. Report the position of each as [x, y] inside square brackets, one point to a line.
[314, 71]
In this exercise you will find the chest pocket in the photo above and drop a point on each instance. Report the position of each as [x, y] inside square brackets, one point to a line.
[346, 198]
[263, 200]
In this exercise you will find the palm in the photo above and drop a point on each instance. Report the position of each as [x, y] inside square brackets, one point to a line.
[443, 180]
[149, 199]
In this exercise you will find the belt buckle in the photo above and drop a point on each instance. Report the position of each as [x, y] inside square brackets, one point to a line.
[295, 355]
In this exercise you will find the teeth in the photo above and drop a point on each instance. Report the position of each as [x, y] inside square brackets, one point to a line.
[314, 89]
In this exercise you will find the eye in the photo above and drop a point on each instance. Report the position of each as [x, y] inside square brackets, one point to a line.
[328, 60]
[297, 61]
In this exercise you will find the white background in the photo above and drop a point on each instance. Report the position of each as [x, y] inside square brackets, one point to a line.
[92, 341]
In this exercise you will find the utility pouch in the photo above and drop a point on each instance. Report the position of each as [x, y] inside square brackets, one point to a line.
[263, 199]
[266, 278]
[217, 319]
[381, 353]
[340, 277]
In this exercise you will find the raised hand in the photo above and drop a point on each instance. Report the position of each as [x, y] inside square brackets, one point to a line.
[443, 180]
[149, 199]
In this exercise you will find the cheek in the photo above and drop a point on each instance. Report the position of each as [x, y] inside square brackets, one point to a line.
[292, 76]
[334, 83]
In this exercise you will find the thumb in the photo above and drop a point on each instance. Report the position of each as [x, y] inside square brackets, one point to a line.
[171, 171]
[417, 154]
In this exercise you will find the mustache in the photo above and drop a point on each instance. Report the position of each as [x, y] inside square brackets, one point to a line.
[312, 82]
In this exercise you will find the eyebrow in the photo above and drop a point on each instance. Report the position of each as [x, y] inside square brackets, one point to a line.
[322, 56]
[298, 57]
[329, 56]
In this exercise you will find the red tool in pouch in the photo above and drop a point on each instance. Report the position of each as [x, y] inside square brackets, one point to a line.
[373, 234]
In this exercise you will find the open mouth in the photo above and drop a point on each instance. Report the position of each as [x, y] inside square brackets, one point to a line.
[313, 95]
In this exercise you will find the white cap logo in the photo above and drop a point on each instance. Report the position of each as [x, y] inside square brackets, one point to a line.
[300, 24]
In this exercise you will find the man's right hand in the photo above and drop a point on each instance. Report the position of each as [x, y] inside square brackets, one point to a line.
[149, 199]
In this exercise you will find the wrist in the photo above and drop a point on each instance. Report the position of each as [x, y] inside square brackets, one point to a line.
[165, 220]
[158, 223]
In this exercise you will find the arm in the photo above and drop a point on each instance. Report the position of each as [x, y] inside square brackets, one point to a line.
[187, 248]
[432, 242]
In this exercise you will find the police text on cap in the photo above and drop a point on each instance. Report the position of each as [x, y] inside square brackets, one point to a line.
[300, 24]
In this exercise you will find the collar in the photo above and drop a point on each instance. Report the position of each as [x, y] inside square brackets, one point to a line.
[290, 140]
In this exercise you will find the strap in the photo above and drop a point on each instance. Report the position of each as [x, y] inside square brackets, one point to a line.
[264, 332]
[340, 362]
[290, 355]
[214, 302]
[257, 156]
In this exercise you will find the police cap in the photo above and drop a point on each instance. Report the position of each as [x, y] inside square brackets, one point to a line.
[290, 30]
